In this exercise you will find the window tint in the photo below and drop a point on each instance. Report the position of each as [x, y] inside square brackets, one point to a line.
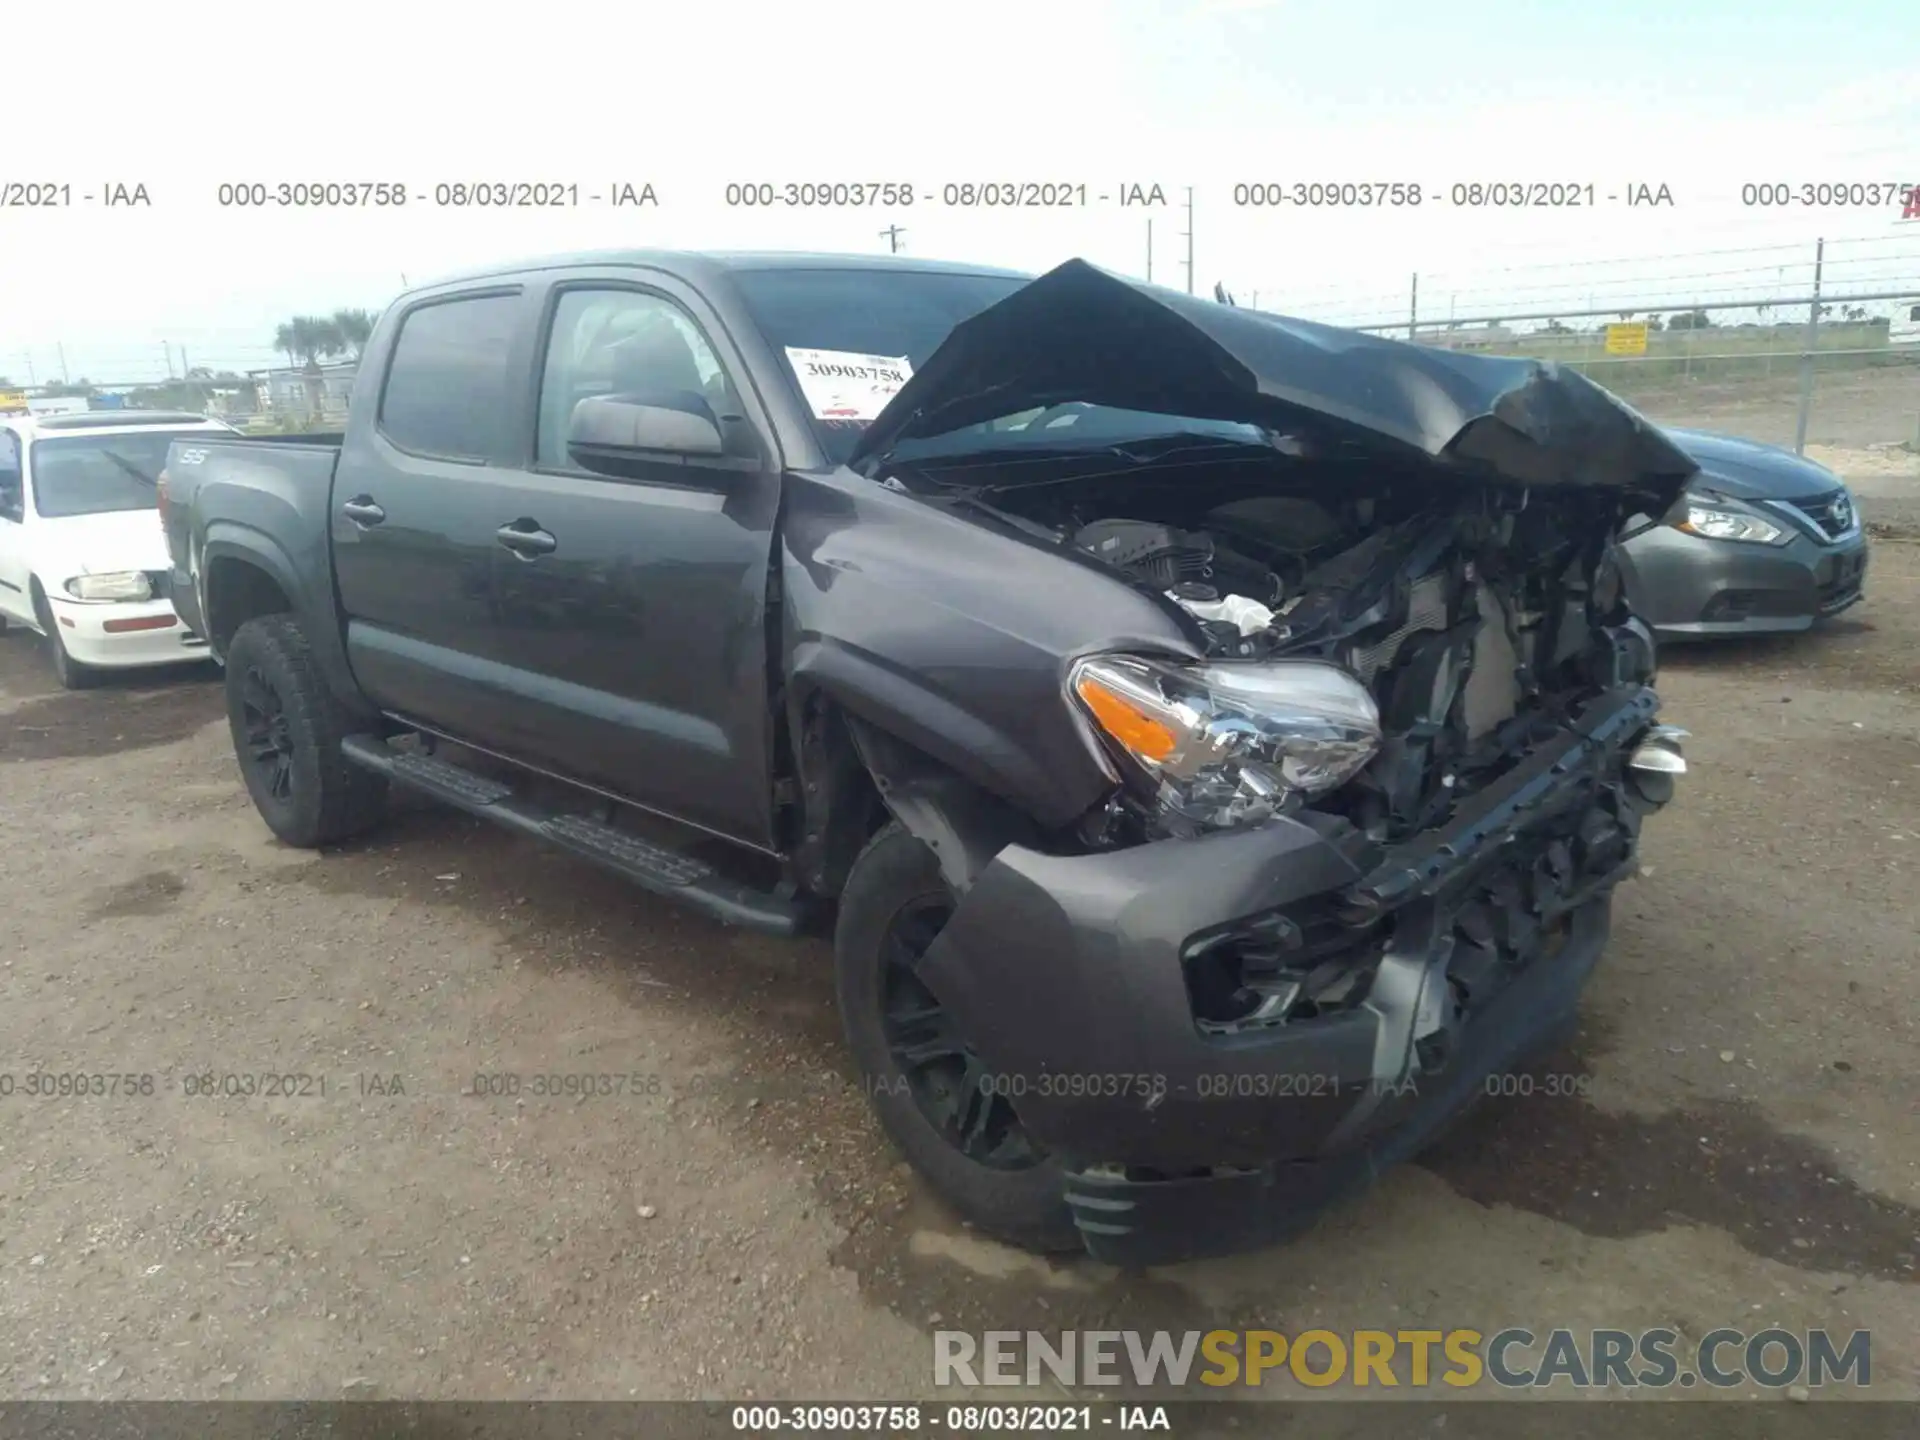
[621, 342]
[447, 385]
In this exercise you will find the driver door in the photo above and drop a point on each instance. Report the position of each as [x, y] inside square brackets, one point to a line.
[640, 623]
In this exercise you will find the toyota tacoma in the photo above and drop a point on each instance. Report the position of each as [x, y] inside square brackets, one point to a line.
[1214, 739]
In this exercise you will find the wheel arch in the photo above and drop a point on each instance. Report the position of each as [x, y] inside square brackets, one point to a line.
[241, 577]
[854, 775]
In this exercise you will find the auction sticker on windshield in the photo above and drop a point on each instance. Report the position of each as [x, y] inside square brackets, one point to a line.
[841, 385]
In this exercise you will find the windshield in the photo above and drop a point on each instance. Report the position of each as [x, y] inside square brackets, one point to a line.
[94, 474]
[844, 333]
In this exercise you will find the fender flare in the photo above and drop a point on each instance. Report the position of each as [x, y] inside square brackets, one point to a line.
[230, 540]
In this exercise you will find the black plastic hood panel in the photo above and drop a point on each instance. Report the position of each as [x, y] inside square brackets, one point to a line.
[1079, 333]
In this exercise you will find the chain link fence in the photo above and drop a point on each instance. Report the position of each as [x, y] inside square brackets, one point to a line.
[1806, 346]
[1819, 348]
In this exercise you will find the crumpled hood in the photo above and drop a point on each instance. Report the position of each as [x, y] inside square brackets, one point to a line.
[1079, 333]
[115, 541]
[1750, 470]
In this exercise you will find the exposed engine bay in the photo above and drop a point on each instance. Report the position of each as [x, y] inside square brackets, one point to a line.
[1489, 625]
[1476, 614]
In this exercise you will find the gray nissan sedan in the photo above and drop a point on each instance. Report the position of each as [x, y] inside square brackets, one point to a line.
[1764, 542]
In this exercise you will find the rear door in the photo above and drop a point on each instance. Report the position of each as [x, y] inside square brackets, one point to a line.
[411, 513]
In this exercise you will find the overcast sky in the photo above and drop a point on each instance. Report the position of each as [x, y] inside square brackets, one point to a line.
[1702, 96]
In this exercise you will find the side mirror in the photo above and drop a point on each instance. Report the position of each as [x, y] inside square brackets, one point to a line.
[612, 434]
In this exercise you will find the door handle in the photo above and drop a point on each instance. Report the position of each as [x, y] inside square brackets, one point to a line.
[362, 511]
[526, 539]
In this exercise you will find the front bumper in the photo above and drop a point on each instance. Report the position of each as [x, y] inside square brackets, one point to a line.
[124, 635]
[1068, 975]
[1688, 586]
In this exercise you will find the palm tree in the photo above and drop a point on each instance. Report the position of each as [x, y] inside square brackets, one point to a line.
[355, 328]
[307, 339]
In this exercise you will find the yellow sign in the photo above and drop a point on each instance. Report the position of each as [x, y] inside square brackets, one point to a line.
[13, 402]
[1627, 339]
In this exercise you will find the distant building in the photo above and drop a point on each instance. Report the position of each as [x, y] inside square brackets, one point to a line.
[284, 390]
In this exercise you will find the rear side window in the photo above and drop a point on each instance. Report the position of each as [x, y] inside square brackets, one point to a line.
[447, 390]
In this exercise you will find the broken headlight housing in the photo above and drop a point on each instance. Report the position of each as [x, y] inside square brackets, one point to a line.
[1227, 744]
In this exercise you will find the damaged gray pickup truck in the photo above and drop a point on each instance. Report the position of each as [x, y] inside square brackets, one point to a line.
[1215, 738]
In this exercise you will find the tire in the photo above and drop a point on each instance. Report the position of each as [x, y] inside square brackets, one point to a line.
[71, 673]
[996, 1178]
[287, 728]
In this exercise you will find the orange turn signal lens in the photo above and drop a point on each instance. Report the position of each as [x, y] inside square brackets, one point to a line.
[1121, 718]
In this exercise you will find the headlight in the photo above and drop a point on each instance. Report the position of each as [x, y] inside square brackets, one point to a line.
[122, 585]
[1716, 524]
[1226, 744]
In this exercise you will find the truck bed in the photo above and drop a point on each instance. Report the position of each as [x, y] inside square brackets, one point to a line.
[272, 485]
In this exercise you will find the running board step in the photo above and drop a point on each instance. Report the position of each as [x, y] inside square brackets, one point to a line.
[653, 867]
[591, 838]
[426, 772]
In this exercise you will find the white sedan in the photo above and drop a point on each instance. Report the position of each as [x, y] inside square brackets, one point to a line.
[83, 558]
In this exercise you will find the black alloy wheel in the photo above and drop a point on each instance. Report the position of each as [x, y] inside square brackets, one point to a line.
[949, 1083]
[269, 736]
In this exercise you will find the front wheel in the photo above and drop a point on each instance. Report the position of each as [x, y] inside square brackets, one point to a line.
[71, 673]
[931, 1092]
[287, 728]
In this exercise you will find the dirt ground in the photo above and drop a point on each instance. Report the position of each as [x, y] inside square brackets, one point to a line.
[734, 1226]
[1857, 409]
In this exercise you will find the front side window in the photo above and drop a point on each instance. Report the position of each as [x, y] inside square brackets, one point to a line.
[95, 474]
[624, 342]
[447, 391]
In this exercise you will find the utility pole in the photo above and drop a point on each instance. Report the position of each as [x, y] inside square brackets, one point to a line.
[166, 349]
[61, 350]
[1413, 308]
[1806, 354]
[31, 382]
[1189, 234]
[1149, 249]
[893, 234]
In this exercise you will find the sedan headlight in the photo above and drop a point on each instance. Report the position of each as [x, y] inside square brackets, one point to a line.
[120, 585]
[1225, 744]
[1715, 523]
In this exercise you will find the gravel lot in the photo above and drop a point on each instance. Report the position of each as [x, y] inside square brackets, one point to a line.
[733, 1225]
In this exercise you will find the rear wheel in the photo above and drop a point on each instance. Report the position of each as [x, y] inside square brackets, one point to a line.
[71, 673]
[287, 728]
[930, 1090]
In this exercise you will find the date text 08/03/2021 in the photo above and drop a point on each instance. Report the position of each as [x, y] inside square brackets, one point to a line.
[973, 1419]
